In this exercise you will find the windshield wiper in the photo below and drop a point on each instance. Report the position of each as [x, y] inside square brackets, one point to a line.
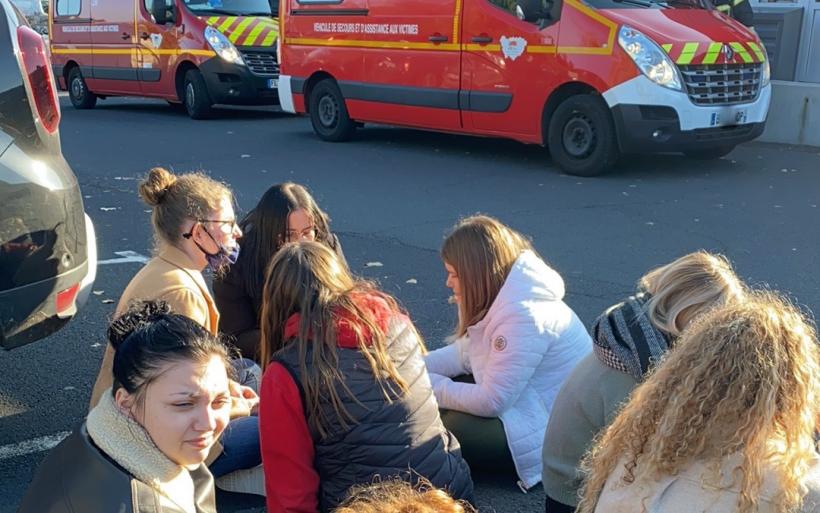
[642, 3]
[216, 11]
[259, 13]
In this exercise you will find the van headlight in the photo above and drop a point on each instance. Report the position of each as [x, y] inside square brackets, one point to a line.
[222, 46]
[765, 74]
[649, 58]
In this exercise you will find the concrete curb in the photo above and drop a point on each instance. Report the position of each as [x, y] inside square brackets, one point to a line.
[794, 115]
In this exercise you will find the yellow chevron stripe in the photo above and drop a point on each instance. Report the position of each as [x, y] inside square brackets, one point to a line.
[227, 23]
[270, 38]
[239, 30]
[251, 39]
[761, 55]
[712, 53]
[667, 47]
[688, 53]
[741, 50]
[212, 20]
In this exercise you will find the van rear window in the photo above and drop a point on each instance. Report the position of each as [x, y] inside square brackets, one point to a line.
[68, 7]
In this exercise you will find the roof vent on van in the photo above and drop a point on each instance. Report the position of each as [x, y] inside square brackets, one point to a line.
[37, 68]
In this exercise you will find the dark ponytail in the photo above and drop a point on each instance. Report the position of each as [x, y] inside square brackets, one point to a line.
[148, 337]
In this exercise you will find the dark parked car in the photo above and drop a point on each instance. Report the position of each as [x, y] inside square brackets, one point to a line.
[48, 252]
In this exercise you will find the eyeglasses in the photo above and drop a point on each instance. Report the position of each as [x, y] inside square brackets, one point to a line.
[229, 223]
[307, 233]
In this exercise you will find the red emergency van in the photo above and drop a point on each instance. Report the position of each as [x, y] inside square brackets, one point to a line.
[589, 79]
[191, 52]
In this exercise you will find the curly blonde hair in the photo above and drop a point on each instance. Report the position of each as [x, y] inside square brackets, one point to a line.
[397, 496]
[745, 378]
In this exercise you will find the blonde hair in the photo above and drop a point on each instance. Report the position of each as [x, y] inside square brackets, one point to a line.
[307, 278]
[688, 286]
[743, 379]
[482, 250]
[397, 496]
[175, 199]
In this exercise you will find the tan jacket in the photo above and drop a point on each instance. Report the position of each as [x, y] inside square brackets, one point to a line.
[172, 277]
[695, 490]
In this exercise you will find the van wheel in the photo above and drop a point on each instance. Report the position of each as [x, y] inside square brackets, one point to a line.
[709, 153]
[196, 98]
[581, 136]
[328, 113]
[78, 93]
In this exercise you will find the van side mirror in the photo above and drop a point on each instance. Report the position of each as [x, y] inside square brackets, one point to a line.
[163, 11]
[529, 10]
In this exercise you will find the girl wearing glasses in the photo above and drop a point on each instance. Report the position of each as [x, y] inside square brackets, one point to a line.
[285, 213]
[194, 228]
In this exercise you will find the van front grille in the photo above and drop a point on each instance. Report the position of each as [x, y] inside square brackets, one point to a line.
[261, 63]
[722, 84]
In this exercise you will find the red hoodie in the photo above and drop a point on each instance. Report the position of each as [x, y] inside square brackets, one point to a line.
[291, 482]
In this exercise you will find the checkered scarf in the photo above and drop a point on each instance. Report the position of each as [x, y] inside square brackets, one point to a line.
[625, 340]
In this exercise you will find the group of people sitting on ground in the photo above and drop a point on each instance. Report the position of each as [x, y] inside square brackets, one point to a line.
[301, 382]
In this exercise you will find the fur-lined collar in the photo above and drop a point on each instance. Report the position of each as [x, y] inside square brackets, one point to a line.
[125, 441]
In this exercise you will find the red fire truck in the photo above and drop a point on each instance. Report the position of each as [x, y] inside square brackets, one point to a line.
[196, 53]
[589, 79]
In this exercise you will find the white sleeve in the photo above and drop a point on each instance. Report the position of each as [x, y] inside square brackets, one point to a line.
[515, 354]
[450, 360]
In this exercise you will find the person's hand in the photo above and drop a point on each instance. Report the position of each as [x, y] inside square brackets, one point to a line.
[244, 401]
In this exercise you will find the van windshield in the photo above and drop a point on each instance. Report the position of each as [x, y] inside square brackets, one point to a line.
[649, 4]
[233, 7]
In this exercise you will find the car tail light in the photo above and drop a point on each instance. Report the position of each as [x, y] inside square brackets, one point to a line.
[65, 299]
[37, 67]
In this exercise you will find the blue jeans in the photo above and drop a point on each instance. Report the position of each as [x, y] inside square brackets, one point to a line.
[240, 441]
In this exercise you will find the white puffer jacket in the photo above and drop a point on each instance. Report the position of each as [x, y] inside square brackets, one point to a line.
[519, 354]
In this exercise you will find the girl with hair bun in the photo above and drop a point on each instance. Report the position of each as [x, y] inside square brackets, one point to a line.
[143, 446]
[194, 227]
[726, 422]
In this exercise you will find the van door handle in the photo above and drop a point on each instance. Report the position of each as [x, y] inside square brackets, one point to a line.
[482, 40]
[145, 35]
[126, 35]
[437, 38]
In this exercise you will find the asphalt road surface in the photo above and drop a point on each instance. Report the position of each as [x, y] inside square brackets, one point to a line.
[392, 194]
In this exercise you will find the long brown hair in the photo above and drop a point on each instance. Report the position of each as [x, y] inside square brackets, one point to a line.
[482, 250]
[265, 231]
[743, 379]
[307, 278]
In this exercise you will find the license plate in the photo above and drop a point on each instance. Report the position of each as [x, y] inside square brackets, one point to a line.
[728, 117]
[273, 83]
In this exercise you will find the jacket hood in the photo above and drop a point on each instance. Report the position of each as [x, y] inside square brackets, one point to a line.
[246, 30]
[694, 36]
[529, 280]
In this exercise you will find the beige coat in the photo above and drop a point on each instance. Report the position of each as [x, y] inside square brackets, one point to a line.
[694, 490]
[172, 277]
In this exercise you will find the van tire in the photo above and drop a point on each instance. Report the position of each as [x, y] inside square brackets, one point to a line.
[78, 93]
[709, 153]
[581, 136]
[328, 113]
[195, 95]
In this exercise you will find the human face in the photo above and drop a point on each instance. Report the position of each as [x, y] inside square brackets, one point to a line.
[453, 282]
[221, 226]
[185, 409]
[300, 226]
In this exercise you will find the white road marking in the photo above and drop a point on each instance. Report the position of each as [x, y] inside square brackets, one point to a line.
[44, 443]
[126, 257]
